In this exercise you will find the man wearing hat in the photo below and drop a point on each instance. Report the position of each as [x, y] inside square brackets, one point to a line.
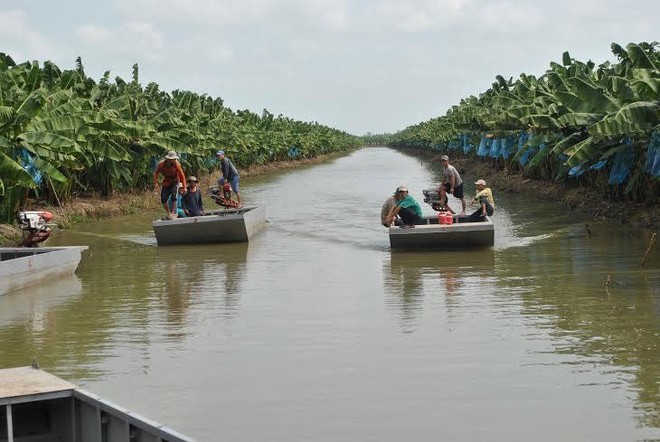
[192, 200]
[486, 202]
[451, 176]
[406, 207]
[173, 175]
[228, 172]
[388, 205]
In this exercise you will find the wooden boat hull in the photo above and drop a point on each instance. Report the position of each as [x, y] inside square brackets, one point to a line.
[220, 226]
[22, 267]
[431, 235]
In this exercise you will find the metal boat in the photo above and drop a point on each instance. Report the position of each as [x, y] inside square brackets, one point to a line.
[25, 266]
[37, 406]
[461, 234]
[219, 226]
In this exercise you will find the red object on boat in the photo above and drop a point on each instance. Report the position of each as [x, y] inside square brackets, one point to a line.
[444, 218]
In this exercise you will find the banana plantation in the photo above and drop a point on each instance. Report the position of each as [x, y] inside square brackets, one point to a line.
[63, 133]
[578, 123]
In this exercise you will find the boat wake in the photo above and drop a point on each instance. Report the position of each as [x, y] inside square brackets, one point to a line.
[361, 238]
[146, 239]
[513, 242]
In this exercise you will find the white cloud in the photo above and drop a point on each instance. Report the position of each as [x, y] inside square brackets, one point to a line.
[20, 42]
[206, 13]
[138, 40]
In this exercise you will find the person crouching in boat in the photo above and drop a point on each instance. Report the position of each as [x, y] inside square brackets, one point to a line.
[172, 173]
[406, 207]
[388, 205]
[484, 198]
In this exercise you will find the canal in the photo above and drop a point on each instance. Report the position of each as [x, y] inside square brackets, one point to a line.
[316, 330]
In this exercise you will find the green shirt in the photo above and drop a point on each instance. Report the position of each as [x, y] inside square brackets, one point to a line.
[409, 202]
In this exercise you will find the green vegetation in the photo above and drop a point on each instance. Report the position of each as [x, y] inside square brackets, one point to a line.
[63, 134]
[596, 124]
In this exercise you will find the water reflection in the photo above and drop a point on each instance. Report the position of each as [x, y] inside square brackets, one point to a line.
[132, 294]
[191, 274]
[30, 307]
[610, 327]
[30, 319]
[410, 277]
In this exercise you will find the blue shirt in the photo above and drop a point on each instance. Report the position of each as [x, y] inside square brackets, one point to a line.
[193, 202]
[179, 205]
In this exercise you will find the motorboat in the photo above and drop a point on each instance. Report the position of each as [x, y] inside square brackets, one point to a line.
[22, 267]
[431, 234]
[219, 226]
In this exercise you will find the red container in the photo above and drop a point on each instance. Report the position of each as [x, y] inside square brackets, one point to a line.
[449, 218]
[441, 218]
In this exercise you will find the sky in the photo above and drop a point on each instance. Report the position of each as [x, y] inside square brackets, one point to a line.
[361, 66]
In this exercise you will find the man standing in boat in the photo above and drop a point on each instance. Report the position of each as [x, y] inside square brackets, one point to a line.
[173, 175]
[229, 173]
[451, 176]
[406, 207]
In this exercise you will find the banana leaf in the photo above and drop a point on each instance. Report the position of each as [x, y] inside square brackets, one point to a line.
[634, 118]
[50, 171]
[568, 142]
[52, 140]
[640, 58]
[577, 120]
[543, 122]
[581, 152]
[7, 115]
[594, 96]
[13, 174]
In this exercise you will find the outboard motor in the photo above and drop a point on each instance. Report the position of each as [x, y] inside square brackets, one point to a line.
[34, 225]
[432, 197]
[222, 196]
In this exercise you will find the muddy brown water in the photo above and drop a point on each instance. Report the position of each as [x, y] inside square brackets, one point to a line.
[316, 330]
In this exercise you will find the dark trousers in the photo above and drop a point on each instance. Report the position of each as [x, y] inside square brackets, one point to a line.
[478, 215]
[167, 192]
[409, 217]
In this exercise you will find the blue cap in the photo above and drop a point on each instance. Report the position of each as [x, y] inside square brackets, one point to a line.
[220, 152]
